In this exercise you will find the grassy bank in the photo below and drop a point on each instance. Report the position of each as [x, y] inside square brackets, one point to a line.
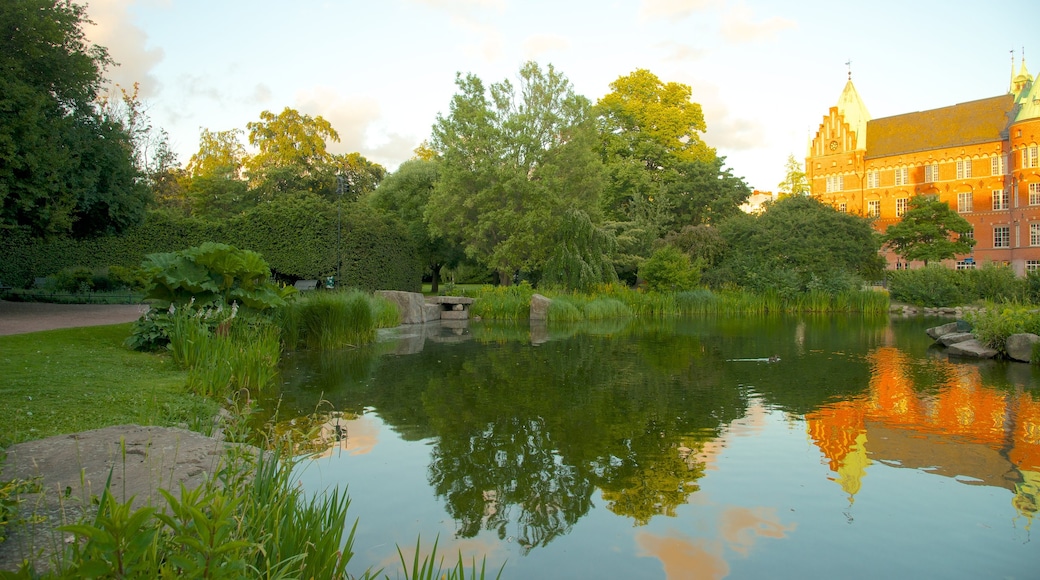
[70, 380]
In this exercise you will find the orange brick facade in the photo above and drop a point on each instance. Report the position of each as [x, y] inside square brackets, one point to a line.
[981, 158]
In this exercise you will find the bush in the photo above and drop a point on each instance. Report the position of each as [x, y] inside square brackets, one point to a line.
[932, 285]
[993, 282]
[993, 325]
[669, 269]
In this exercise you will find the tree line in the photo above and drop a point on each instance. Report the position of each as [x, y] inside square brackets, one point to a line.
[521, 178]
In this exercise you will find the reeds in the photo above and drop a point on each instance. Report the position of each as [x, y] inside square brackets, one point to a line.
[332, 320]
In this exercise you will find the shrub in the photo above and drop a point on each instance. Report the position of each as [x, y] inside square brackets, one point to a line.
[993, 282]
[992, 325]
[932, 285]
[669, 269]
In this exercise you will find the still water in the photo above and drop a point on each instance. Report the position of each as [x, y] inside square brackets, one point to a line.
[791, 447]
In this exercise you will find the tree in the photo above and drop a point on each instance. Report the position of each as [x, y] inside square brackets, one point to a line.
[215, 185]
[794, 182]
[65, 168]
[512, 160]
[669, 270]
[405, 193]
[292, 154]
[799, 244]
[927, 232]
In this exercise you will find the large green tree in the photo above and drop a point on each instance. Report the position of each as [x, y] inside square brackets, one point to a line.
[292, 154]
[513, 160]
[65, 167]
[929, 231]
[405, 194]
[799, 244]
[794, 182]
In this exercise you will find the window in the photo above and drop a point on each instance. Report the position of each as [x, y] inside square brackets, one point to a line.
[835, 183]
[964, 202]
[874, 208]
[965, 265]
[1029, 156]
[931, 172]
[901, 205]
[997, 165]
[1002, 237]
[1034, 234]
[900, 176]
[1032, 265]
[1034, 194]
[968, 235]
[842, 207]
[873, 179]
[1000, 199]
[963, 168]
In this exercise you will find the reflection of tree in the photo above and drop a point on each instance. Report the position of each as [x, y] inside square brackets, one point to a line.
[509, 472]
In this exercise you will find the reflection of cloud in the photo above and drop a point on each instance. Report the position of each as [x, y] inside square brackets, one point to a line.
[738, 25]
[672, 9]
[535, 46]
[685, 557]
[472, 550]
[740, 526]
[113, 28]
[360, 436]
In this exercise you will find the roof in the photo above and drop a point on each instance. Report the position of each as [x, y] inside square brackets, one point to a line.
[969, 123]
[851, 106]
[1030, 102]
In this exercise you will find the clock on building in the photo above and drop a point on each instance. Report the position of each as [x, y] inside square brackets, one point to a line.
[834, 145]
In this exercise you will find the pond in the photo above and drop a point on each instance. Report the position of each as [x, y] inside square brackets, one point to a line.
[747, 447]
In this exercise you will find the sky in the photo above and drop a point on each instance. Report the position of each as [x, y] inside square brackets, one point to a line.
[380, 71]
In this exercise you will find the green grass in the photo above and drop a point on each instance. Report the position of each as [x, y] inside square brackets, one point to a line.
[70, 380]
[331, 320]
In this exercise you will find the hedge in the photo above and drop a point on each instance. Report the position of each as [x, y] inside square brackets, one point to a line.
[296, 235]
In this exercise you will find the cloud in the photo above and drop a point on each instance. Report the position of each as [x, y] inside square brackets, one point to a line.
[725, 131]
[261, 94]
[677, 51]
[470, 15]
[672, 9]
[360, 124]
[738, 25]
[126, 43]
[535, 46]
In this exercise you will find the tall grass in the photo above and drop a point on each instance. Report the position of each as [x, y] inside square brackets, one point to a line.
[503, 302]
[224, 353]
[331, 320]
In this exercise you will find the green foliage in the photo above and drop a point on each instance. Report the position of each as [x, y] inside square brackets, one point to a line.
[797, 244]
[993, 324]
[503, 302]
[65, 167]
[581, 254]
[430, 568]
[929, 231]
[330, 320]
[11, 492]
[669, 269]
[994, 282]
[932, 285]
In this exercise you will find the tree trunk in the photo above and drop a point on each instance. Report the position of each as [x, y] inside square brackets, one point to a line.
[435, 279]
[505, 278]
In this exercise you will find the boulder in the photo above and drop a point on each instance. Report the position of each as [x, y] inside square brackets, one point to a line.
[410, 305]
[956, 326]
[955, 337]
[540, 307]
[970, 349]
[1020, 346]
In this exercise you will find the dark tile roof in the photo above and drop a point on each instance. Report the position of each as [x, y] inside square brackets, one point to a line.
[979, 121]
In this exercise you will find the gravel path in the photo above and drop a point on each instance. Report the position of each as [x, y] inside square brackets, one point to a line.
[22, 317]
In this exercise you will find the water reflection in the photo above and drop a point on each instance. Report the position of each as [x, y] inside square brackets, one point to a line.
[952, 425]
[527, 428]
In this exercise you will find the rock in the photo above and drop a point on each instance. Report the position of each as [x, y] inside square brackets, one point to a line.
[411, 305]
[433, 312]
[955, 337]
[936, 331]
[1020, 346]
[971, 349]
[540, 307]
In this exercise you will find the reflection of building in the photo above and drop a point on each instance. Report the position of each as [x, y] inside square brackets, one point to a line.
[964, 429]
[980, 157]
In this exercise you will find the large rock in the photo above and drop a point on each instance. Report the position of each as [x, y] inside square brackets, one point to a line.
[1020, 346]
[956, 326]
[410, 305]
[955, 337]
[540, 307]
[971, 349]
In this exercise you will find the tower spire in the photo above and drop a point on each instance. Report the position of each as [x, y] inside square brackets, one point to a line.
[848, 64]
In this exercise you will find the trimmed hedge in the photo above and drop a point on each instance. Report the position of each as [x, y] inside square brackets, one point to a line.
[296, 235]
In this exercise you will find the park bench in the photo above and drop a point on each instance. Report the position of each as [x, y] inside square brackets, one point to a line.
[305, 285]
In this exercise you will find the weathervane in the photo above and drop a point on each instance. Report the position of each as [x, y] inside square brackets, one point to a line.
[848, 63]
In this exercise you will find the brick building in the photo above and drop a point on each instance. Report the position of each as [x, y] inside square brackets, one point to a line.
[980, 157]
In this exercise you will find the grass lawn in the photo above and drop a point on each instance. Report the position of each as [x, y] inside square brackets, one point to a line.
[70, 380]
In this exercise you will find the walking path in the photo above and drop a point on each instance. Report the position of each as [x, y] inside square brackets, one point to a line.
[22, 317]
